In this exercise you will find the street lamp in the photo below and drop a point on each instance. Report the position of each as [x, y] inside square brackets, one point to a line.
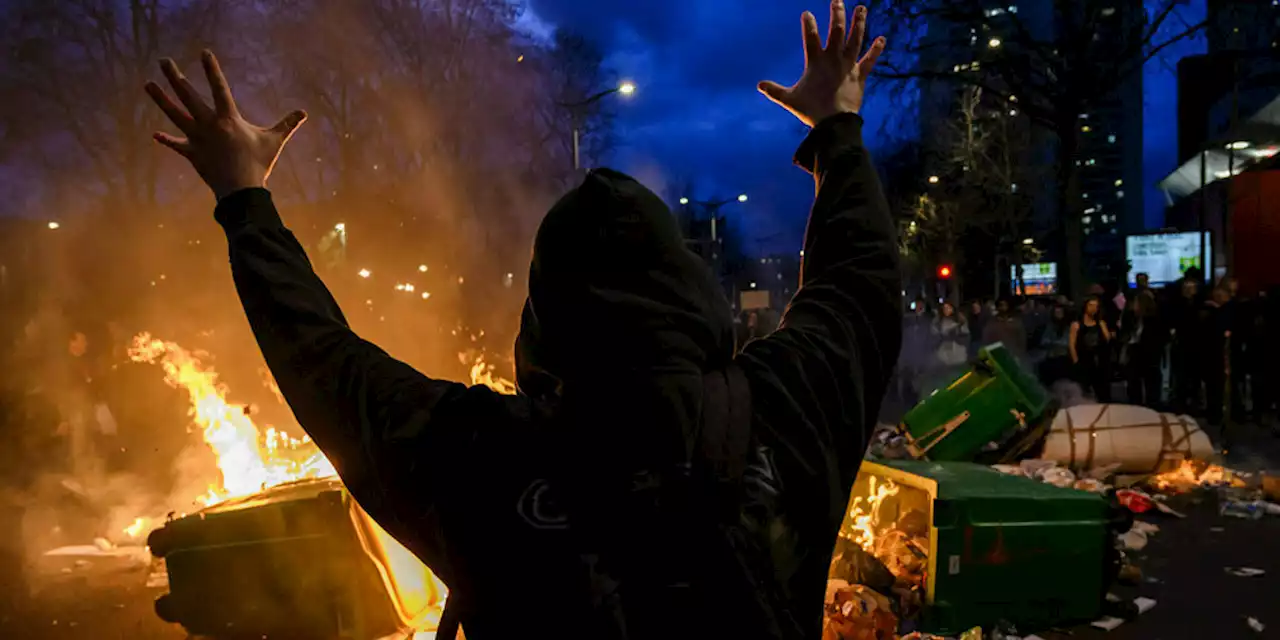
[54, 225]
[576, 109]
[933, 179]
[684, 201]
[994, 43]
[1028, 241]
[742, 197]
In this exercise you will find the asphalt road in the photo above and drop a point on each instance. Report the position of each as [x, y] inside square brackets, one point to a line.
[1184, 567]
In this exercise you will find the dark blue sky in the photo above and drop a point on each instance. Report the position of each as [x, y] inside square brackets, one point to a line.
[698, 117]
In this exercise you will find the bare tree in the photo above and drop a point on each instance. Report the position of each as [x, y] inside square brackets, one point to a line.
[72, 87]
[1054, 69]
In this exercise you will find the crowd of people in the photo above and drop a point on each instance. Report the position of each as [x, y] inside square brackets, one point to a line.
[1172, 348]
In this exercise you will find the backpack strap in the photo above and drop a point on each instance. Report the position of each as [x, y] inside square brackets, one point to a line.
[725, 433]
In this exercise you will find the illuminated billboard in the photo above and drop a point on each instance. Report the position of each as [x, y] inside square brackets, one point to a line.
[1038, 278]
[1165, 256]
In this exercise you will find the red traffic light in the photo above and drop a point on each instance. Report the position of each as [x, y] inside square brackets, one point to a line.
[944, 272]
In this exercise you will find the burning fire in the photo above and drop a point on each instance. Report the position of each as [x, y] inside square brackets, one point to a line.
[250, 460]
[865, 522]
[482, 373]
[1191, 474]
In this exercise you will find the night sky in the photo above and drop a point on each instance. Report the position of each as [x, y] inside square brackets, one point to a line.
[698, 118]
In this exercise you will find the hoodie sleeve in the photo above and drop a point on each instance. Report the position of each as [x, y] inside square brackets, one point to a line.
[839, 338]
[393, 434]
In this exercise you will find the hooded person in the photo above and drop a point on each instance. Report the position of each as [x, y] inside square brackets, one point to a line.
[645, 482]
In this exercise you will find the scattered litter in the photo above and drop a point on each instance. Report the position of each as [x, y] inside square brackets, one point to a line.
[1135, 501]
[1256, 624]
[1144, 604]
[1108, 623]
[1134, 540]
[1130, 610]
[1242, 509]
[1245, 572]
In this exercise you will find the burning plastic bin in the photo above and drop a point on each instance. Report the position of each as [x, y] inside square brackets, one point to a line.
[300, 560]
[968, 546]
[993, 412]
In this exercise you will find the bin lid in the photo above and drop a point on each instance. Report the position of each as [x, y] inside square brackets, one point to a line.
[963, 480]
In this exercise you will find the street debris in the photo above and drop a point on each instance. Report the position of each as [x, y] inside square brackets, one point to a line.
[1245, 572]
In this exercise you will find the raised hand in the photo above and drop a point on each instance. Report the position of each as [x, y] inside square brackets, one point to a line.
[227, 151]
[834, 78]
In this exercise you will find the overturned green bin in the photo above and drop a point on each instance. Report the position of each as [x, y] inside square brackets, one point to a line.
[993, 412]
[969, 546]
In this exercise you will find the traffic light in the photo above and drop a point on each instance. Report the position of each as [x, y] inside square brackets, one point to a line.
[944, 272]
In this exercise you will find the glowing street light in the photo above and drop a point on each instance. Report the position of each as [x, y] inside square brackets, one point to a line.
[578, 111]
[1239, 145]
[1028, 241]
[422, 268]
[54, 225]
[684, 201]
[340, 227]
[933, 179]
[426, 295]
[994, 43]
[742, 197]
[364, 273]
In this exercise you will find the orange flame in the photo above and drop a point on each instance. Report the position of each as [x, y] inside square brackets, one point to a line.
[1191, 474]
[482, 373]
[250, 460]
[866, 521]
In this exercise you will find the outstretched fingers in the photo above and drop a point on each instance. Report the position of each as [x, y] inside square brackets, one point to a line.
[812, 41]
[868, 62]
[186, 93]
[853, 48]
[177, 115]
[836, 32]
[223, 103]
[181, 145]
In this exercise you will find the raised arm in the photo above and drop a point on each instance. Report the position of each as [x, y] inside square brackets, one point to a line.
[840, 336]
[394, 435]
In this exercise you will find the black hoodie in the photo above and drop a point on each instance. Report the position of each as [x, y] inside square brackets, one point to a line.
[531, 507]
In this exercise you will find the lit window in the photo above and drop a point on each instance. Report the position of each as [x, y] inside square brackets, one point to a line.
[1119, 182]
[1084, 116]
[1109, 11]
[1013, 8]
[1085, 196]
[1120, 193]
[1090, 209]
[1087, 219]
[1111, 138]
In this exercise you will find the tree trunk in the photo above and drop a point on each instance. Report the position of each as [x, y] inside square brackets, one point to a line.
[1069, 210]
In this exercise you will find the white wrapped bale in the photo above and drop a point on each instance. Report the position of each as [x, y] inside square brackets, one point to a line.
[1136, 439]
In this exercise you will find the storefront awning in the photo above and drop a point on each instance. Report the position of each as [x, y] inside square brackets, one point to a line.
[1247, 144]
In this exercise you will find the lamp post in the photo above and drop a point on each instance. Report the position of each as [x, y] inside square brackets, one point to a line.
[576, 110]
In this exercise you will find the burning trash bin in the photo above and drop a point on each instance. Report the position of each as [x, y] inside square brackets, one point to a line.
[300, 560]
[993, 412]
[945, 547]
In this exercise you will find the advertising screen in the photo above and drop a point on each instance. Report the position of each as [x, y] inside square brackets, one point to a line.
[1165, 256]
[1039, 278]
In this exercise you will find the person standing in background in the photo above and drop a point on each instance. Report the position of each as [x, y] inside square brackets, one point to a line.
[1184, 329]
[1089, 341]
[1007, 328]
[1143, 340]
[951, 351]
[977, 323]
